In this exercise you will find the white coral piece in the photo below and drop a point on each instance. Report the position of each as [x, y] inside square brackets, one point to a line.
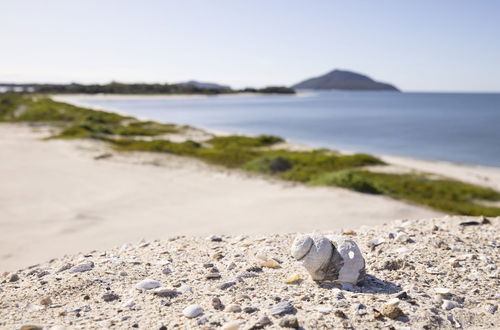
[332, 258]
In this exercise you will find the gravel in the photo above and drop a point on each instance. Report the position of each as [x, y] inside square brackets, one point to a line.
[432, 273]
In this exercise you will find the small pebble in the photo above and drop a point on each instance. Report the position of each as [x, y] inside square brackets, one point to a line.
[289, 321]
[84, 267]
[250, 310]
[129, 303]
[217, 304]
[491, 308]
[393, 301]
[46, 301]
[232, 325]
[261, 323]
[323, 309]
[164, 292]
[110, 297]
[376, 241]
[213, 276]
[218, 256]
[185, 289]
[227, 285]
[31, 327]
[147, 284]
[234, 308]
[392, 311]
[214, 238]
[449, 305]
[64, 267]
[192, 311]
[265, 261]
[293, 279]
[282, 308]
[254, 269]
[340, 314]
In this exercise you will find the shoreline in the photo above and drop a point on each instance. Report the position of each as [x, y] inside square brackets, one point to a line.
[72, 200]
[483, 175]
[80, 195]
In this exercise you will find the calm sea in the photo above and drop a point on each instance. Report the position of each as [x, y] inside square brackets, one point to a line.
[462, 128]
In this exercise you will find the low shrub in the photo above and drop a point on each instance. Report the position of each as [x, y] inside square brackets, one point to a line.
[347, 179]
[268, 164]
[187, 148]
[240, 141]
[9, 102]
[450, 196]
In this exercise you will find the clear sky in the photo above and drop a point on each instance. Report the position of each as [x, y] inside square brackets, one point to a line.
[422, 45]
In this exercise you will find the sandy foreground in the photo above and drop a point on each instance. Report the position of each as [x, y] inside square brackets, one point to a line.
[56, 199]
[425, 274]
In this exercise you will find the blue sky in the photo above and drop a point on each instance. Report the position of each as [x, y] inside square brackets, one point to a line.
[445, 45]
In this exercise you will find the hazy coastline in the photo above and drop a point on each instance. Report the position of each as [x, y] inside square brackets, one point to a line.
[147, 206]
[457, 128]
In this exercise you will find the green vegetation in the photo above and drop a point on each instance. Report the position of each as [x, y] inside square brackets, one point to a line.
[240, 141]
[269, 164]
[446, 195]
[140, 88]
[77, 122]
[270, 90]
[188, 148]
[8, 104]
[317, 167]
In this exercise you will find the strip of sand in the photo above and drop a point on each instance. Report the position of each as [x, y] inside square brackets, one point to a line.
[55, 199]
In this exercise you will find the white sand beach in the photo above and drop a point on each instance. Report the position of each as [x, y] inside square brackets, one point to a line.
[55, 199]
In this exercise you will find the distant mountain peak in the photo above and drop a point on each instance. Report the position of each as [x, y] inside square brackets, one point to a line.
[207, 85]
[344, 80]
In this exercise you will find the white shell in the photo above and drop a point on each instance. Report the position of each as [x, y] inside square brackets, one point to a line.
[147, 284]
[354, 263]
[129, 303]
[192, 311]
[262, 259]
[333, 258]
[301, 246]
[442, 291]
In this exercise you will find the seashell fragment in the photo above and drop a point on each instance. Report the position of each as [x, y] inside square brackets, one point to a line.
[192, 311]
[264, 260]
[330, 258]
[147, 284]
[295, 278]
[442, 291]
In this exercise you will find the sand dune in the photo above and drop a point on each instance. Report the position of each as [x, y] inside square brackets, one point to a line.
[55, 199]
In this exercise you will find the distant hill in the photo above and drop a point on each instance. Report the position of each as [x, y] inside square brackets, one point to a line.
[345, 80]
[206, 85]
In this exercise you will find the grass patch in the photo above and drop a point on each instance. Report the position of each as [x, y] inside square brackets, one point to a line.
[80, 122]
[445, 195]
[92, 129]
[187, 148]
[42, 109]
[9, 102]
[306, 165]
[239, 141]
[349, 179]
[269, 164]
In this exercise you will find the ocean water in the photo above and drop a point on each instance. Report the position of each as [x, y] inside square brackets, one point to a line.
[462, 128]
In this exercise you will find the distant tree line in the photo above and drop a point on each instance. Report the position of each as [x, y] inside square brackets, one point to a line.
[135, 88]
